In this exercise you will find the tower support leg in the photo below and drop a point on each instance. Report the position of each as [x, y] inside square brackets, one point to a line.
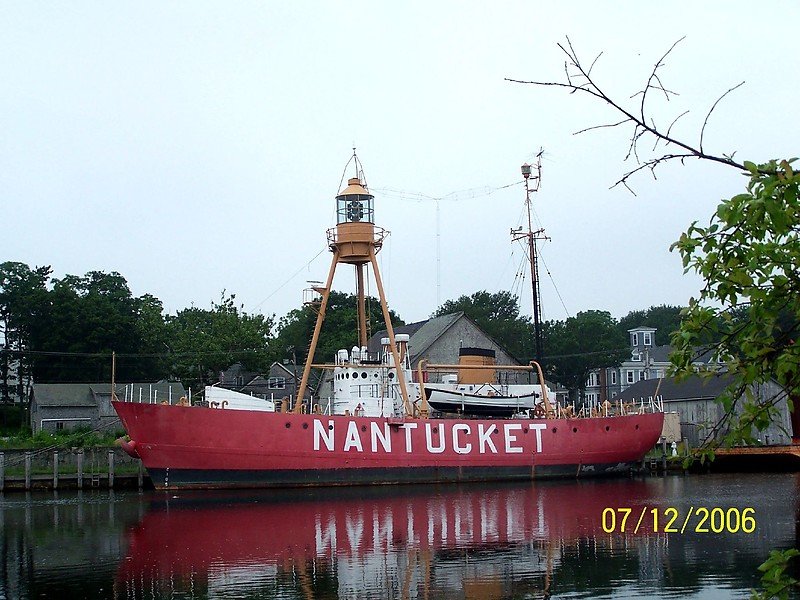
[315, 338]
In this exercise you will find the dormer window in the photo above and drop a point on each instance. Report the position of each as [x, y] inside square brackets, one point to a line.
[647, 338]
[634, 339]
[636, 356]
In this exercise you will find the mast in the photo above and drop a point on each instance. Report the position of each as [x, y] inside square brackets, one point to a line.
[531, 236]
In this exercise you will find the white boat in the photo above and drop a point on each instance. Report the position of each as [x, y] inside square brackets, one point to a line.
[216, 397]
[477, 391]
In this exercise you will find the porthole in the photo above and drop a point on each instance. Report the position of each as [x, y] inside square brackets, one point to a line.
[525, 430]
[391, 375]
[363, 428]
[288, 425]
[363, 374]
[637, 427]
[555, 429]
[608, 428]
[574, 430]
[305, 425]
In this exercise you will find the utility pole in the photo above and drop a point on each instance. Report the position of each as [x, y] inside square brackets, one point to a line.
[531, 237]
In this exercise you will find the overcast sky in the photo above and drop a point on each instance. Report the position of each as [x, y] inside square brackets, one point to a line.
[195, 147]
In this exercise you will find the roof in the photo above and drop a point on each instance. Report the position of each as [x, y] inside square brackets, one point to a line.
[282, 367]
[160, 390]
[422, 334]
[693, 388]
[84, 394]
[63, 394]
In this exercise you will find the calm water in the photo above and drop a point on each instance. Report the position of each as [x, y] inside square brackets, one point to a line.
[488, 541]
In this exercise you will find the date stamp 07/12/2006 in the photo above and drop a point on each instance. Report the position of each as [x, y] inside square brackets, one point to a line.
[699, 519]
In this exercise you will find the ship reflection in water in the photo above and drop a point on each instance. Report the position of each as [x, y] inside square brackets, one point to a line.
[450, 542]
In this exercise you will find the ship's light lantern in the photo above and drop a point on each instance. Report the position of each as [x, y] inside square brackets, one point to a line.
[355, 204]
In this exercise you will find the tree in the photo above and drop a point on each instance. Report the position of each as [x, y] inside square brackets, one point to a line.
[664, 318]
[85, 319]
[749, 259]
[497, 314]
[338, 331]
[589, 340]
[205, 342]
[23, 297]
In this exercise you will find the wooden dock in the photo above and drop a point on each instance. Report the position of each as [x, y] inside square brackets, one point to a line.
[757, 458]
[49, 470]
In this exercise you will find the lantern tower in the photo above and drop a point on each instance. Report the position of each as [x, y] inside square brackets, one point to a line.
[355, 240]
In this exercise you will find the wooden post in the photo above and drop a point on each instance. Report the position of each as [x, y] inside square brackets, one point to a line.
[55, 469]
[110, 469]
[80, 469]
[2, 471]
[27, 470]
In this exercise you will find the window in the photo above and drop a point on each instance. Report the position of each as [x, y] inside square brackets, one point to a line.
[592, 381]
[276, 383]
[648, 339]
[630, 376]
[642, 374]
[613, 378]
[634, 339]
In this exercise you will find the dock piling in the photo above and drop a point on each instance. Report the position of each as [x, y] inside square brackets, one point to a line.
[27, 471]
[55, 469]
[80, 469]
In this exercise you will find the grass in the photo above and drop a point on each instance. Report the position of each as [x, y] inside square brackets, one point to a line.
[80, 437]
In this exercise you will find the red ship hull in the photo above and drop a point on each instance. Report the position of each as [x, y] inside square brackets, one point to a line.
[196, 447]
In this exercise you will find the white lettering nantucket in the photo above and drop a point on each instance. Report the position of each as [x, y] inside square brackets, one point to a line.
[324, 433]
[429, 441]
[408, 427]
[484, 438]
[383, 435]
[467, 447]
[538, 427]
[353, 440]
[511, 438]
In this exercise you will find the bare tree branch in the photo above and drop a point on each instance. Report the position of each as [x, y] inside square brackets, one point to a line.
[578, 79]
[653, 75]
[703, 130]
[601, 126]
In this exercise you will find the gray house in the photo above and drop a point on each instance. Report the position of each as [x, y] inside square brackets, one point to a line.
[280, 382]
[59, 406]
[647, 361]
[695, 401]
